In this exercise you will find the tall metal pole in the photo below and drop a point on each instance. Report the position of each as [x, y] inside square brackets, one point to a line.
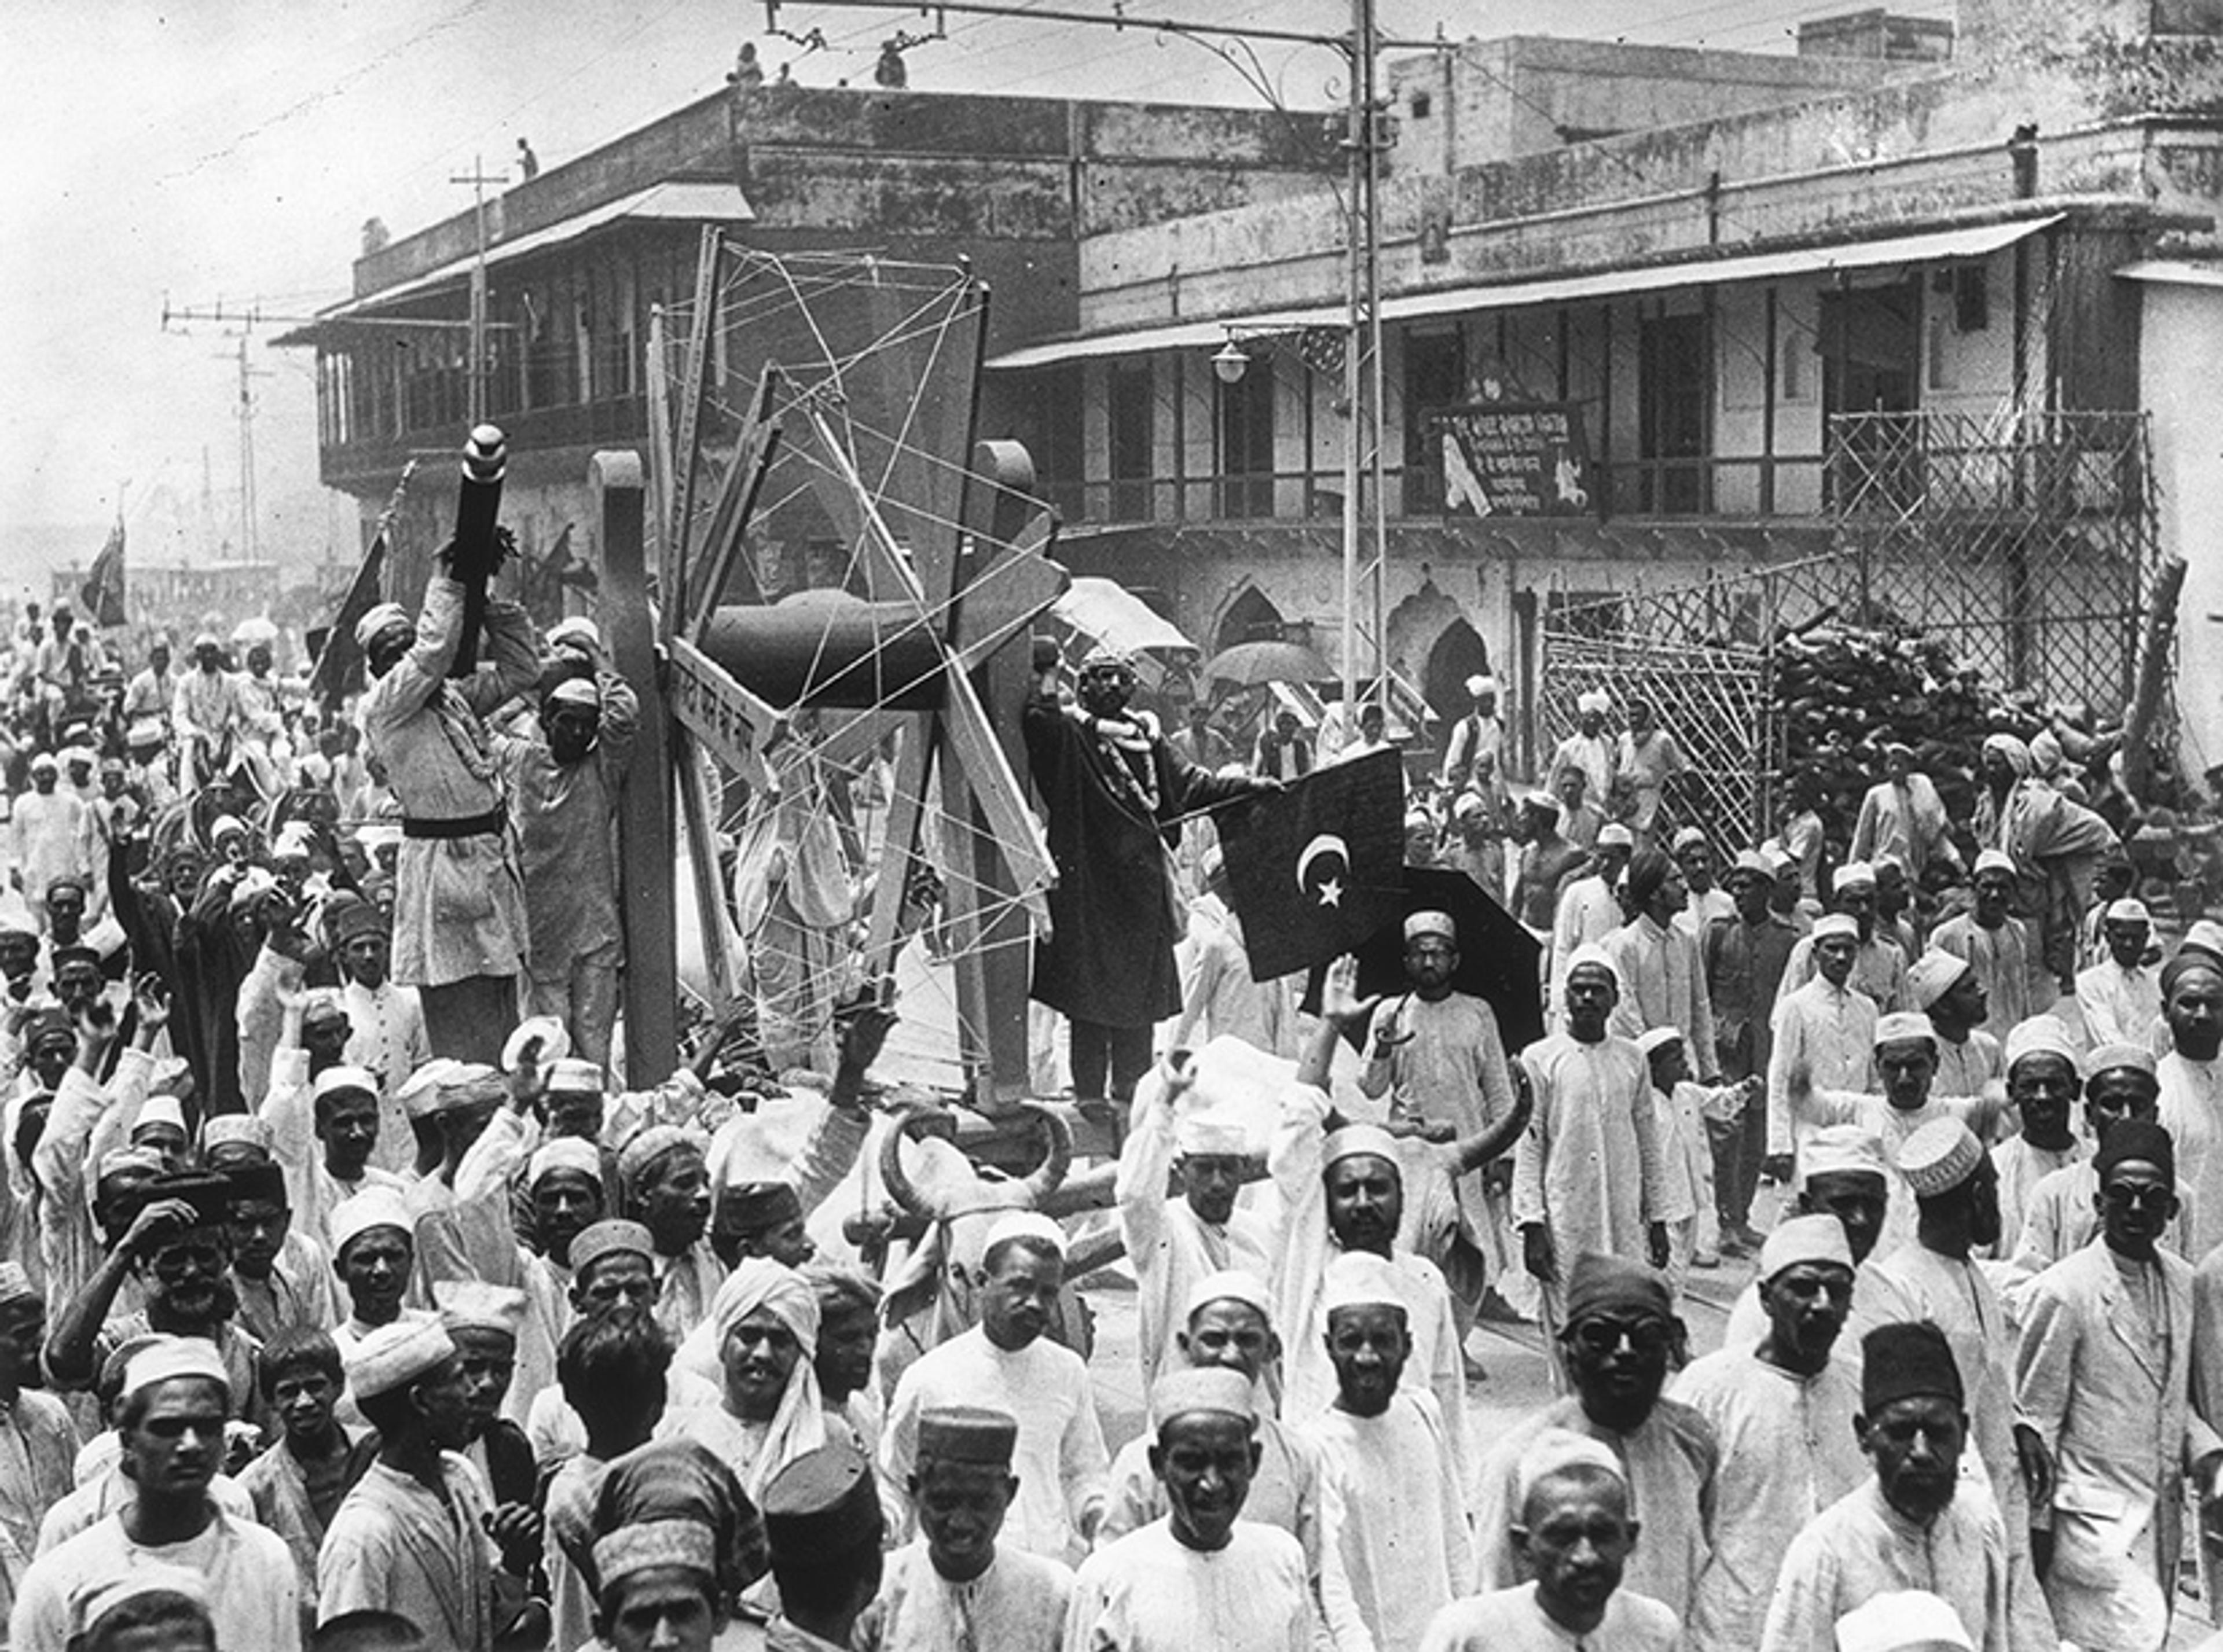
[1354, 366]
[1377, 402]
[477, 381]
[246, 456]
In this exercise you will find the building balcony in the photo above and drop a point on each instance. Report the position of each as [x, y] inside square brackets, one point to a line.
[1775, 484]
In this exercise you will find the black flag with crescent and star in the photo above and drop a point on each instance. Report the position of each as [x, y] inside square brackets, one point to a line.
[1315, 869]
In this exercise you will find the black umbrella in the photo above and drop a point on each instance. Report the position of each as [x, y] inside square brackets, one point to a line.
[1498, 958]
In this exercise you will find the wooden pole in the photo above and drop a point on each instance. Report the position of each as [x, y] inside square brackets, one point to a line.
[2153, 672]
[644, 834]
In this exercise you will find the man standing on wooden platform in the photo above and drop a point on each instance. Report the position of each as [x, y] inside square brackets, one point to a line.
[459, 923]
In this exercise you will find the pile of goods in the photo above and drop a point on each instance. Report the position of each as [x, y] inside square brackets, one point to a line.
[1841, 692]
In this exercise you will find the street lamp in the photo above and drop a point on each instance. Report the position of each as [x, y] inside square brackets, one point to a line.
[1229, 363]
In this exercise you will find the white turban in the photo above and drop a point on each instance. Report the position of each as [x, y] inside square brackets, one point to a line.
[799, 1425]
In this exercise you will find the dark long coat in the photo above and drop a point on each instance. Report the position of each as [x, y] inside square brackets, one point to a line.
[1113, 919]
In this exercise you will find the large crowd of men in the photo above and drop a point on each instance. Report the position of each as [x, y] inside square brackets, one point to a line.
[355, 1293]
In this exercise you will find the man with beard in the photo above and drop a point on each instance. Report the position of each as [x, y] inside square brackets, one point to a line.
[415, 1536]
[1199, 1577]
[1112, 786]
[206, 715]
[49, 836]
[179, 1246]
[460, 928]
[1783, 1411]
[1744, 957]
[2119, 998]
[1343, 1189]
[563, 798]
[1999, 945]
[1575, 1534]
[2104, 1373]
[956, 1585]
[1437, 1053]
[1403, 1530]
[1589, 1175]
[1948, 988]
[1935, 1280]
[664, 1184]
[1903, 1527]
[2191, 1105]
[1620, 1331]
[1007, 1361]
[386, 1022]
[2043, 1084]
[284, 1278]
[172, 1426]
[36, 1464]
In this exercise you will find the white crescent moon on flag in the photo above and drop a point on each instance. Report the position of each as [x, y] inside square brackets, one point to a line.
[1326, 844]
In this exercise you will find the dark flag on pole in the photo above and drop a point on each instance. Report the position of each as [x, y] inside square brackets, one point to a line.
[339, 662]
[1314, 870]
[103, 590]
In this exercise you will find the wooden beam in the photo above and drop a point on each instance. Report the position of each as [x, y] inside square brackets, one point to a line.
[652, 975]
[732, 722]
[737, 502]
[687, 440]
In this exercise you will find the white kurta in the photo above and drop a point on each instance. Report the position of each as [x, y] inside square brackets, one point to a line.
[1788, 1452]
[1828, 1032]
[1174, 1250]
[1672, 1462]
[1404, 1545]
[1291, 1489]
[1060, 1459]
[1452, 1068]
[1510, 1620]
[1976, 1065]
[1018, 1605]
[387, 1036]
[1860, 1546]
[1300, 1265]
[1663, 983]
[2117, 1006]
[2004, 960]
[2022, 1168]
[254, 1592]
[1878, 971]
[2192, 1112]
[1589, 1166]
[1150, 1593]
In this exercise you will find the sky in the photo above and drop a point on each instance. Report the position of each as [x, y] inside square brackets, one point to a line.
[230, 151]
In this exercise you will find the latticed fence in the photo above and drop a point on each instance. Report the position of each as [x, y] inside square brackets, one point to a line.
[2028, 547]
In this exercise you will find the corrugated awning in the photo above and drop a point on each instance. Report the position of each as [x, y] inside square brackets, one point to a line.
[2173, 271]
[680, 201]
[1930, 247]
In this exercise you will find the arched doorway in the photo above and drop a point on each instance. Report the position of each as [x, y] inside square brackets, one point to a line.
[1251, 618]
[1458, 654]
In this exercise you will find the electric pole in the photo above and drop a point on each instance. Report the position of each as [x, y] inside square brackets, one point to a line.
[478, 180]
[1365, 137]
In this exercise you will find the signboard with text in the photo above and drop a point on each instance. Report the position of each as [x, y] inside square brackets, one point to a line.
[1509, 458]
